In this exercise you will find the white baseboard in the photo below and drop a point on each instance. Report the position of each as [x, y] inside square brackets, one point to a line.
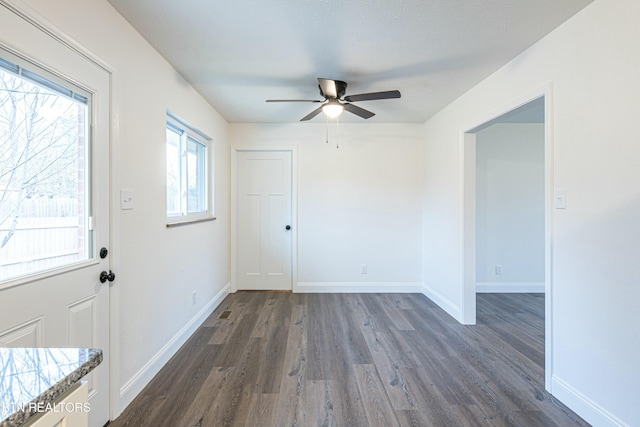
[357, 287]
[590, 411]
[510, 287]
[451, 309]
[141, 378]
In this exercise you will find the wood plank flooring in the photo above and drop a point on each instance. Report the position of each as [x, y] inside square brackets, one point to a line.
[283, 359]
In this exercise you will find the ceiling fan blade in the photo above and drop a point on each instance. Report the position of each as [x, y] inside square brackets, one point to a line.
[365, 114]
[389, 94]
[312, 114]
[328, 87]
[293, 100]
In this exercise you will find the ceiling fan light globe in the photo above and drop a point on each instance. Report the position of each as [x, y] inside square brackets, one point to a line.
[332, 110]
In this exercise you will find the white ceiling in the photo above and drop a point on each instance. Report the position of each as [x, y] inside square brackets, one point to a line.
[238, 53]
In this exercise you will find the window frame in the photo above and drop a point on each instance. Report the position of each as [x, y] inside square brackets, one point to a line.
[26, 69]
[188, 134]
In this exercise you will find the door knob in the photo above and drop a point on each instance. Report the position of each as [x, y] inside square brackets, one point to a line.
[288, 227]
[104, 276]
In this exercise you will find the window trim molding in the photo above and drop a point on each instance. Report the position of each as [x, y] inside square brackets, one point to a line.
[186, 124]
[190, 221]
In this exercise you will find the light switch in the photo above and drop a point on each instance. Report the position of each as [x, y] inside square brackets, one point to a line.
[126, 199]
[560, 197]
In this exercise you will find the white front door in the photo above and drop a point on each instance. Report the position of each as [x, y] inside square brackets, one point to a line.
[264, 216]
[54, 198]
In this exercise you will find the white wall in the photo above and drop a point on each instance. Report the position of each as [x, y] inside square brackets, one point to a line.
[157, 269]
[593, 62]
[510, 206]
[358, 204]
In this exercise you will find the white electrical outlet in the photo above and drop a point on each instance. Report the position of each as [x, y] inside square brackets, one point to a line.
[363, 269]
[194, 298]
[498, 269]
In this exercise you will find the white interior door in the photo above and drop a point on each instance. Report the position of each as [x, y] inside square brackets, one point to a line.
[264, 220]
[54, 202]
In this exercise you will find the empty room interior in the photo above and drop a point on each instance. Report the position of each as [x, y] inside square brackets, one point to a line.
[320, 213]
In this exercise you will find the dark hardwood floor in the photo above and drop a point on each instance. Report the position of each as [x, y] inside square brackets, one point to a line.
[283, 359]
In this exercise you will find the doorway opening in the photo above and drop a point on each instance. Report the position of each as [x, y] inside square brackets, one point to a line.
[506, 206]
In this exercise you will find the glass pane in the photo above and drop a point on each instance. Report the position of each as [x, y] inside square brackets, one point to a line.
[173, 172]
[196, 170]
[44, 167]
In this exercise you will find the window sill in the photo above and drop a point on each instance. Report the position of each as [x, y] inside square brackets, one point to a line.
[190, 221]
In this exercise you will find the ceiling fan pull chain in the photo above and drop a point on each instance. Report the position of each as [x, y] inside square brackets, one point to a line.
[337, 133]
[327, 128]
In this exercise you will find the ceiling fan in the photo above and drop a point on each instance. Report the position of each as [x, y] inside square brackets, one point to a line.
[335, 100]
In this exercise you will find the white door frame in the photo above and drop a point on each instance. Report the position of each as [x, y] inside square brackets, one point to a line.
[234, 210]
[41, 22]
[468, 215]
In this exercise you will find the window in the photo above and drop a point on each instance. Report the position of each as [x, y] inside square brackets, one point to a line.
[44, 170]
[187, 172]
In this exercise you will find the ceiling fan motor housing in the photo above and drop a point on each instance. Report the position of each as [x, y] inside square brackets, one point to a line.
[341, 89]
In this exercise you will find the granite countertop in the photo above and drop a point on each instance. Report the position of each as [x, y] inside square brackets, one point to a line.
[32, 378]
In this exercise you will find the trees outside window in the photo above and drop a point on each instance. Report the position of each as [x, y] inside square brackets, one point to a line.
[43, 174]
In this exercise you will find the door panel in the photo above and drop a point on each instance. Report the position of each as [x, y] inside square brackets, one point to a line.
[276, 252]
[264, 211]
[67, 306]
[26, 335]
